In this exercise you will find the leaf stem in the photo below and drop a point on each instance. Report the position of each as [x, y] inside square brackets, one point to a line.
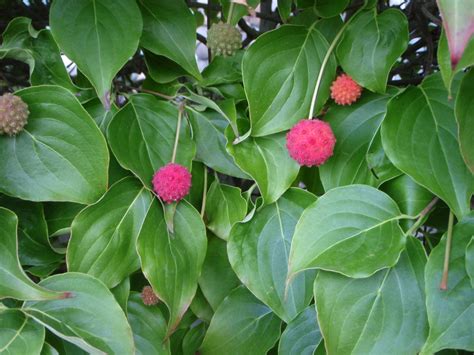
[204, 193]
[231, 11]
[178, 129]
[447, 252]
[167, 97]
[422, 215]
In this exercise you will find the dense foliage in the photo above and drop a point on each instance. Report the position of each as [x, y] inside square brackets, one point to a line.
[149, 206]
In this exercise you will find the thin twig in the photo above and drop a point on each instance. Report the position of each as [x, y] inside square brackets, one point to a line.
[422, 215]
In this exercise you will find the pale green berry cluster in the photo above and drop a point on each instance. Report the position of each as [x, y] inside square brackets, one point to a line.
[13, 114]
[224, 39]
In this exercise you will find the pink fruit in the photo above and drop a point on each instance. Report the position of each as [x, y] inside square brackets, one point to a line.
[172, 182]
[344, 90]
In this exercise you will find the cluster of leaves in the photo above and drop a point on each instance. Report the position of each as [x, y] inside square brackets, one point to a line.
[344, 258]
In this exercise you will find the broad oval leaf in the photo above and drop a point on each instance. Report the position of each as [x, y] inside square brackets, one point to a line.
[271, 166]
[149, 327]
[352, 230]
[169, 30]
[172, 262]
[302, 335]
[258, 252]
[279, 74]
[149, 126]
[381, 314]
[241, 325]
[98, 35]
[419, 135]
[464, 110]
[370, 46]
[224, 207]
[103, 236]
[89, 318]
[19, 334]
[61, 154]
[15, 284]
[450, 312]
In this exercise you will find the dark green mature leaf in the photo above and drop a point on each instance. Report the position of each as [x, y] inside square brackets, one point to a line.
[223, 70]
[172, 262]
[161, 69]
[103, 236]
[59, 216]
[90, 318]
[241, 325]
[450, 312]
[330, 8]
[149, 327]
[48, 350]
[121, 293]
[60, 156]
[284, 9]
[302, 335]
[279, 74]
[101, 116]
[169, 29]
[382, 314]
[370, 46]
[470, 260]
[149, 126]
[271, 166]
[15, 284]
[18, 33]
[201, 307]
[19, 334]
[224, 207]
[98, 35]
[419, 135]
[464, 110]
[258, 252]
[352, 230]
[217, 278]
[355, 128]
[193, 338]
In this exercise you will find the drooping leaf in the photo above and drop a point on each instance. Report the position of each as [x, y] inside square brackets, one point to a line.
[302, 335]
[258, 252]
[97, 35]
[172, 262]
[370, 46]
[149, 126]
[464, 117]
[149, 327]
[381, 314]
[61, 154]
[241, 325]
[279, 74]
[352, 230]
[15, 284]
[450, 312]
[419, 135]
[169, 29]
[19, 334]
[90, 318]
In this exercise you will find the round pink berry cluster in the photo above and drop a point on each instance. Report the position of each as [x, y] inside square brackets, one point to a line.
[344, 90]
[172, 182]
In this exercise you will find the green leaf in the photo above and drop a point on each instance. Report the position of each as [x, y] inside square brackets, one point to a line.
[90, 318]
[121, 293]
[103, 236]
[284, 9]
[352, 230]
[419, 135]
[382, 314]
[19, 334]
[223, 70]
[450, 312]
[48, 350]
[330, 8]
[470, 260]
[279, 74]
[224, 207]
[18, 33]
[97, 35]
[271, 166]
[15, 284]
[61, 154]
[172, 262]
[149, 327]
[193, 339]
[378, 162]
[217, 279]
[161, 69]
[464, 109]
[201, 307]
[241, 325]
[355, 128]
[169, 30]
[370, 46]
[149, 126]
[99, 114]
[59, 216]
[258, 252]
[302, 335]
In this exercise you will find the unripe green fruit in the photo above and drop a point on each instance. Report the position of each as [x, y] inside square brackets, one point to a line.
[224, 39]
[13, 114]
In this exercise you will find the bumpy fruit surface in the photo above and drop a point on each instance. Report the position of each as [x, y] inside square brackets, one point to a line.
[344, 90]
[224, 39]
[310, 142]
[149, 297]
[13, 114]
[172, 182]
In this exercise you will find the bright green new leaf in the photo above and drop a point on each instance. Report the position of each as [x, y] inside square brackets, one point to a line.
[19, 334]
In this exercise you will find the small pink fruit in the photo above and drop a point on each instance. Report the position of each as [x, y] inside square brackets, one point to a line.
[344, 90]
[149, 297]
[172, 182]
[310, 142]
